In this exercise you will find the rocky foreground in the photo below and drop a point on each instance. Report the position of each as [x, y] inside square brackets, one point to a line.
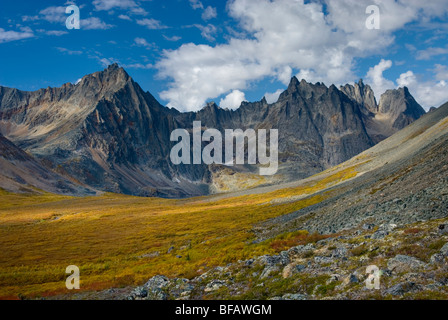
[413, 264]
[412, 260]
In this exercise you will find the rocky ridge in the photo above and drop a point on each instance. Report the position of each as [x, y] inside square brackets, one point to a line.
[108, 134]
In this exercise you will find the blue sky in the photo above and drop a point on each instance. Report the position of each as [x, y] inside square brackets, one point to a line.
[189, 52]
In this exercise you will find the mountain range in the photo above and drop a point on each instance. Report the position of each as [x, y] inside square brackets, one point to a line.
[106, 134]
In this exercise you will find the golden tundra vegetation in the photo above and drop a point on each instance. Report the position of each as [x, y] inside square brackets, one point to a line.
[119, 240]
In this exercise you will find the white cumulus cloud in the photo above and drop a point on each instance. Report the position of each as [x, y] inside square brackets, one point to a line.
[94, 23]
[151, 24]
[273, 97]
[376, 79]
[209, 13]
[131, 5]
[432, 93]
[143, 43]
[278, 38]
[406, 79]
[427, 93]
[233, 100]
[7, 36]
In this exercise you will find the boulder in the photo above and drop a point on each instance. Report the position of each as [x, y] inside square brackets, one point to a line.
[402, 263]
[404, 287]
[294, 296]
[443, 228]
[214, 285]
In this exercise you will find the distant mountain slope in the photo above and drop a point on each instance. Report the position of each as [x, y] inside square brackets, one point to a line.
[109, 134]
[19, 172]
[105, 131]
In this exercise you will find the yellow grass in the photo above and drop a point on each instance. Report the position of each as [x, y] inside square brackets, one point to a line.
[109, 237]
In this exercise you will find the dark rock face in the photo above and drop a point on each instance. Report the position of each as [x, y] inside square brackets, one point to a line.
[363, 95]
[19, 170]
[401, 106]
[319, 127]
[109, 134]
[105, 131]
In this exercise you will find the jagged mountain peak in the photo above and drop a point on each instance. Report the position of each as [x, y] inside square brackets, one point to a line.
[114, 70]
[212, 105]
[395, 110]
[363, 95]
[303, 88]
[112, 78]
[399, 103]
[294, 82]
[402, 91]
[264, 101]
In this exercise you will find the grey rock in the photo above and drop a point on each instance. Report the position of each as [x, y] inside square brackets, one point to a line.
[294, 296]
[249, 262]
[157, 282]
[401, 107]
[323, 260]
[402, 263]
[284, 258]
[437, 258]
[353, 278]
[157, 294]
[444, 250]
[151, 255]
[340, 252]
[334, 278]
[139, 292]
[381, 234]
[309, 247]
[296, 250]
[398, 106]
[269, 270]
[270, 261]
[368, 226]
[404, 287]
[387, 227]
[181, 288]
[363, 95]
[20, 170]
[443, 228]
[300, 267]
[215, 285]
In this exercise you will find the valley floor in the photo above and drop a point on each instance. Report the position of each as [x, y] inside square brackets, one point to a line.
[411, 263]
[119, 240]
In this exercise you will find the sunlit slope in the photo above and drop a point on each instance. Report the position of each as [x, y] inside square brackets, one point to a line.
[120, 240]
